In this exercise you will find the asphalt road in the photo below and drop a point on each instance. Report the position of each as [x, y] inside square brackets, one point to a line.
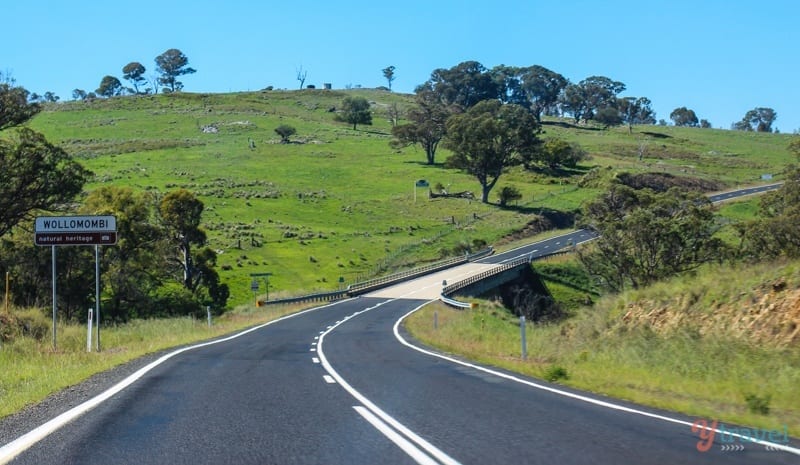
[343, 384]
[336, 385]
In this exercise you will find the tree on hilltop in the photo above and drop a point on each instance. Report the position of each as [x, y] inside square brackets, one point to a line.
[758, 119]
[684, 117]
[388, 73]
[464, 85]
[170, 65]
[636, 111]
[134, 72]
[109, 87]
[541, 88]
[584, 99]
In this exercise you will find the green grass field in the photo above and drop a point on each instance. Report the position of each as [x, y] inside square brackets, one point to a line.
[338, 203]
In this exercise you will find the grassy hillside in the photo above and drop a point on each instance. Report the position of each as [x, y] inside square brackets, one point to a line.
[720, 344]
[338, 203]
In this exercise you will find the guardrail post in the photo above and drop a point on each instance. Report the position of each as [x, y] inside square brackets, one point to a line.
[524, 350]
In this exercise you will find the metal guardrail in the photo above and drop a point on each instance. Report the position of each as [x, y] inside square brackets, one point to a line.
[384, 281]
[320, 297]
[455, 303]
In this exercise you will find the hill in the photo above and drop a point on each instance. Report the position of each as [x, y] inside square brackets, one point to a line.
[337, 204]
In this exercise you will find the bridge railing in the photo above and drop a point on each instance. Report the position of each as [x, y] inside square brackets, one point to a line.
[449, 290]
[453, 288]
[383, 281]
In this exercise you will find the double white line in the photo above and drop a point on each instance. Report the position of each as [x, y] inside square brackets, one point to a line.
[411, 443]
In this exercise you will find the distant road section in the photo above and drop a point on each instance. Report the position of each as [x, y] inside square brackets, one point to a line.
[721, 197]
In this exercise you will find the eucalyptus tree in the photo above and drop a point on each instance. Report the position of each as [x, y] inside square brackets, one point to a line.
[426, 127]
[488, 138]
[171, 65]
[109, 87]
[134, 72]
[388, 74]
[541, 88]
[35, 175]
[683, 116]
[463, 85]
[636, 111]
[355, 110]
[758, 119]
[585, 99]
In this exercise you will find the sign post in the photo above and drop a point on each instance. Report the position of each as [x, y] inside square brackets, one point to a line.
[254, 288]
[254, 283]
[76, 230]
[419, 183]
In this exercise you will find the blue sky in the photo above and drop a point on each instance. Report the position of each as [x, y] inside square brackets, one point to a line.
[719, 58]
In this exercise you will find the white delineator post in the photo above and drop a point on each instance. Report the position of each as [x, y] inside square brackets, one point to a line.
[89, 331]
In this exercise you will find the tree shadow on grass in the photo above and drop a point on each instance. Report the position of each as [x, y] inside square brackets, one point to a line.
[656, 135]
[566, 125]
[561, 171]
[559, 219]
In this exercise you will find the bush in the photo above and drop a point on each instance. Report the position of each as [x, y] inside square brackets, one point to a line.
[8, 325]
[31, 323]
[555, 373]
[508, 194]
[757, 404]
[175, 300]
[34, 323]
[285, 131]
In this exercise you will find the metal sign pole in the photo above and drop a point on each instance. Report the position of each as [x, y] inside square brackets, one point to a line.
[54, 295]
[97, 291]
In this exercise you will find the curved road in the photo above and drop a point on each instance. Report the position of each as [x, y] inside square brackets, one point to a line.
[343, 384]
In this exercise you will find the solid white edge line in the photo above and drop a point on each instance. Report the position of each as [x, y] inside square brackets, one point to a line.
[22, 443]
[430, 448]
[400, 441]
[572, 395]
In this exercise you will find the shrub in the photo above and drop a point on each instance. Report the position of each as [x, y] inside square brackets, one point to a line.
[285, 131]
[8, 325]
[31, 323]
[176, 300]
[509, 193]
[757, 404]
[555, 373]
